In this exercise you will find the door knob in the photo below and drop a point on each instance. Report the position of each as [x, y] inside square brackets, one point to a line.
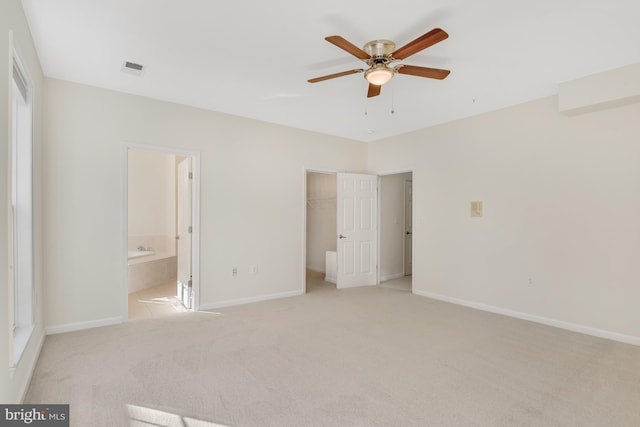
[342, 237]
[408, 233]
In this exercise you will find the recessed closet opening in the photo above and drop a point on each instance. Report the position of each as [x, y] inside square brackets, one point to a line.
[321, 208]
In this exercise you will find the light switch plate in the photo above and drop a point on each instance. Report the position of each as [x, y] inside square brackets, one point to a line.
[476, 209]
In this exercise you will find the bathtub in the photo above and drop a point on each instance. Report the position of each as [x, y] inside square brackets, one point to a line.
[151, 267]
[139, 254]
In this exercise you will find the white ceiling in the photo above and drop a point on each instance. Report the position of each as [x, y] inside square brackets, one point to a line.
[253, 58]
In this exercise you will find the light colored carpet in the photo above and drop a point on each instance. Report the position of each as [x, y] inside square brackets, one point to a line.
[358, 357]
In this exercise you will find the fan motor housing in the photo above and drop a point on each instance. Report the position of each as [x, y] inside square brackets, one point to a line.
[379, 48]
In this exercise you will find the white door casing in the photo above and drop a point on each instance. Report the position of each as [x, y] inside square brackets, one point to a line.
[356, 227]
[184, 231]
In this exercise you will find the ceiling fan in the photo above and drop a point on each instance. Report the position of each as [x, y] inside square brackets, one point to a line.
[378, 54]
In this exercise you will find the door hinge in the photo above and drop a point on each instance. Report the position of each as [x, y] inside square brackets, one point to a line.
[190, 175]
[190, 229]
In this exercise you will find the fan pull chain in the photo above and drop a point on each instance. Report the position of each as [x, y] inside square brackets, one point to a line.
[393, 111]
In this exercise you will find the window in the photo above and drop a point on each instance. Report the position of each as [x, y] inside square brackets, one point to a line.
[21, 215]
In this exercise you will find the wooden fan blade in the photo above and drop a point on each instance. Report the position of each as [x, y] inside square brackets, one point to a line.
[431, 73]
[424, 41]
[374, 90]
[333, 76]
[348, 46]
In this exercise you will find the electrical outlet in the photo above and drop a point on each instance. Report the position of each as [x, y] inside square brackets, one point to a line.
[234, 271]
[530, 281]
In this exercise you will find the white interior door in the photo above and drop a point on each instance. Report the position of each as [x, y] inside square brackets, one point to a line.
[185, 288]
[408, 228]
[357, 235]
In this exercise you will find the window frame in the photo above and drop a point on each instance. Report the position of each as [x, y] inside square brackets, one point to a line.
[21, 283]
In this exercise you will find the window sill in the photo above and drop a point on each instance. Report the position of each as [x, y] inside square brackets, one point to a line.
[21, 337]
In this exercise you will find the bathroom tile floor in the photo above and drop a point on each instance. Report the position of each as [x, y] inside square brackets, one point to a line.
[158, 301]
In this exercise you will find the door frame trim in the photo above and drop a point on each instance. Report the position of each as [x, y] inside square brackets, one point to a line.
[195, 214]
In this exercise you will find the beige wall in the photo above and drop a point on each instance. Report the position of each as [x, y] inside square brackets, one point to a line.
[252, 197]
[13, 382]
[561, 200]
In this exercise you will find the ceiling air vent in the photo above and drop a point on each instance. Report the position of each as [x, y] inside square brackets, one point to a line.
[132, 68]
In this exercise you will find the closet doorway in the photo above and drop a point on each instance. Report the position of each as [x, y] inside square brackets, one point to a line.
[341, 239]
[321, 223]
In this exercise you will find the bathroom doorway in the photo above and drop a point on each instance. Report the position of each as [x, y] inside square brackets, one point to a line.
[161, 200]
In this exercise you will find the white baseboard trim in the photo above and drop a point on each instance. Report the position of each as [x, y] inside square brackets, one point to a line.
[315, 269]
[70, 327]
[574, 327]
[331, 279]
[391, 277]
[241, 301]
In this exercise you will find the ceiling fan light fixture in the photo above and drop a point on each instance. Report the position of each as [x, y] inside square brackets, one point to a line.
[379, 74]
[379, 54]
